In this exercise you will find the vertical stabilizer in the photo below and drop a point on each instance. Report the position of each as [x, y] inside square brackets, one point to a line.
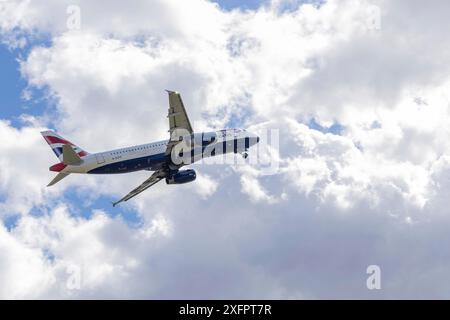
[56, 142]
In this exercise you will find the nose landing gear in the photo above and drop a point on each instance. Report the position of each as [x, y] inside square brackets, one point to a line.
[245, 154]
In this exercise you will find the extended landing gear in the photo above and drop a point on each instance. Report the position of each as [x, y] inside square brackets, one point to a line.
[245, 155]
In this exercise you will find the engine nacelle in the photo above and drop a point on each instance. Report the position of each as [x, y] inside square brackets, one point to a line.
[183, 176]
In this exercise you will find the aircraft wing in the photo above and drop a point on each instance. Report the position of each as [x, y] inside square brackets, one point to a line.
[154, 178]
[178, 120]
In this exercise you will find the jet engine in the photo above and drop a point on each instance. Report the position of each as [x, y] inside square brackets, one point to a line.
[183, 176]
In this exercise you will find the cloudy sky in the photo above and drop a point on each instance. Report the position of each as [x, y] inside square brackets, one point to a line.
[358, 89]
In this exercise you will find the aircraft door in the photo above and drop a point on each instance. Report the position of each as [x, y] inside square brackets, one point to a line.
[100, 158]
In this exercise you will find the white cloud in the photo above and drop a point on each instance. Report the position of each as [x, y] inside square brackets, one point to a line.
[205, 186]
[24, 270]
[252, 187]
[23, 168]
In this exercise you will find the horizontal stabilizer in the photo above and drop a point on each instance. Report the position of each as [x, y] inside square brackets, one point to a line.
[70, 157]
[58, 178]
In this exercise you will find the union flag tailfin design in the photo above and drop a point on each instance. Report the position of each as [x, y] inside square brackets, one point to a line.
[56, 142]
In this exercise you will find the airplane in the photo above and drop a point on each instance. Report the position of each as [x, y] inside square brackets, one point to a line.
[165, 158]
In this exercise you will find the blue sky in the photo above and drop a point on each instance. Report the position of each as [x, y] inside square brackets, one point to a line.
[254, 4]
[243, 4]
[11, 85]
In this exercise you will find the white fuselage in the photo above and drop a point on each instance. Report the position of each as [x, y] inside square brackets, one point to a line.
[152, 156]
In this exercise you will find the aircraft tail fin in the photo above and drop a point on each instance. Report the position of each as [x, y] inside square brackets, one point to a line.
[56, 142]
[58, 178]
